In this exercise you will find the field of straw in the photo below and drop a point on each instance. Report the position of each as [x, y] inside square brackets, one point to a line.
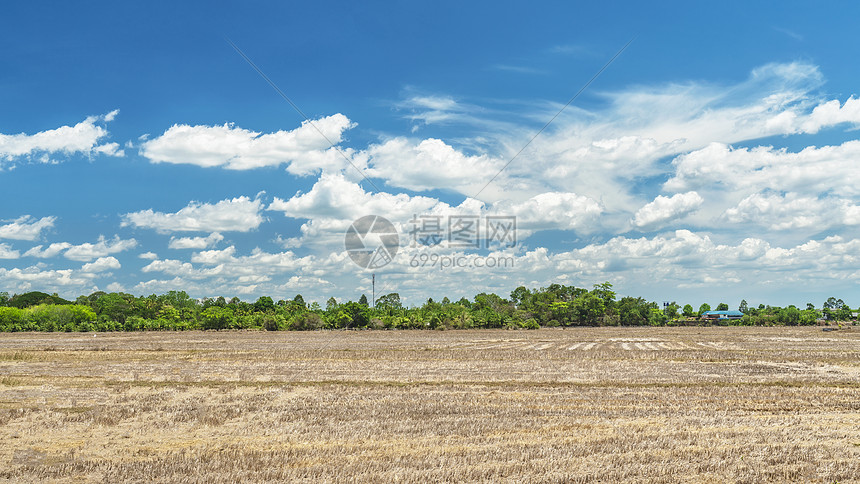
[552, 405]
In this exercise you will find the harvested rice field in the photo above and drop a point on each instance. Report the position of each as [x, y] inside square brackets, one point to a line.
[689, 404]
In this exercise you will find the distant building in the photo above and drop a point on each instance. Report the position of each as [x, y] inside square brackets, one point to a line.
[722, 315]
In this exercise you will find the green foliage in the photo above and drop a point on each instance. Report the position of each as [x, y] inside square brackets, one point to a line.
[34, 298]
[389, 301]
[264, 305]
[671, 311]
[688, 311]
[551, 306]
[217, 318]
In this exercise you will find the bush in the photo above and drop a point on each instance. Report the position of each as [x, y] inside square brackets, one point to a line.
[11, 318]
[307, 321]
[59, 318]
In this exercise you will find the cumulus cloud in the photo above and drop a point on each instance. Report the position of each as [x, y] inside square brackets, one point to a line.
[304, 149]
[195, 242]
[26, 227]
[259, 266]
[37, 277]
[811, 170]
[101, 264]
[82, 138]
[52, 250]
[213, 257]
[430, 164]
[334, 202]
[665, 209]
[831, 113]
[335, 197]
[551, 210]
[88, 251]
[115, 287]
[792, 211]
[240, 214]
[6, 252]
[148, 256]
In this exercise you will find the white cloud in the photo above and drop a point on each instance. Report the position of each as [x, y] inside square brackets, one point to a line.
[212, 257]
[101, 264]
[36, 277]
[430, 164]
[26, 227]
[829, 169]
[82, 138]
[87, 251]
[551, 210]
[223, 266]
[115, 287]
[148, 256]
[195, 242]
[831, 114]
[6, 252]
[792, 211]
[240, 214]
[304, 149]
[335, 197]
[53, 250]
[665, 209]
[335, 202]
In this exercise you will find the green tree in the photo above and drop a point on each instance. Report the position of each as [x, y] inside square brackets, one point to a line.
[521, 296]
[743, 307]
[178, 299]
[789, 316]
[589, 309]
[114, 306]
[218, 318]
[34, 298]
[389, 301]
[832, 307]
[604, 291]
[705, 307]
[331, 304]
[722, 307]
[656, 317]
[671, 311]
[844, 313]
[363, 300]
[688, 311]
[300, 301]
[833, 303]
[4, 298]
[264, 305]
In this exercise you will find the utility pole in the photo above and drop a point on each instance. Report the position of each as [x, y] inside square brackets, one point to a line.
[373, 276]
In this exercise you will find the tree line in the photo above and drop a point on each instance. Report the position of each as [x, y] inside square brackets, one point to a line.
[553, 306]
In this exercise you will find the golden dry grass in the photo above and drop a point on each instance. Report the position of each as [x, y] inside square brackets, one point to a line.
[573, 405]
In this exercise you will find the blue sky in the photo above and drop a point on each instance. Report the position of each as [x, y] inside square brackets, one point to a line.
[714, 160]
